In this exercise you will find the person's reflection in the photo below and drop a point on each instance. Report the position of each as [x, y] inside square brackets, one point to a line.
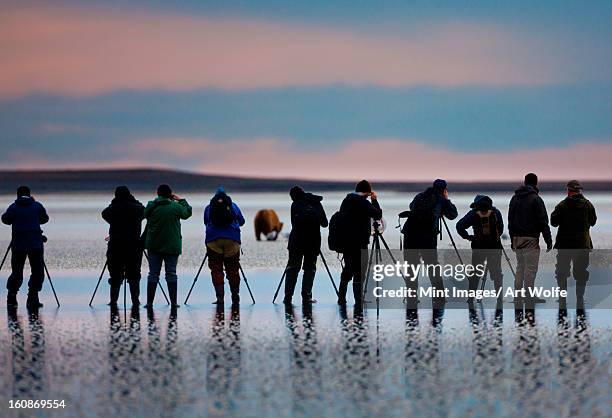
[355, 365]
[164, 365]
[412, 354]
[526, 362]
[28, 367]
[124, 352]
[576, 361]
[306, 370]
[487, 361]
[224, 362]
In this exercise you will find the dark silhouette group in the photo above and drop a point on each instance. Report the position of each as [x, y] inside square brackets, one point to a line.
[350, 231]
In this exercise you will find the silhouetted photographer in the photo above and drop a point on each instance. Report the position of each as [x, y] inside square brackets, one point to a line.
[25, 216]
[124, 254]
[349, 233]
[574, 216]
[307, 218]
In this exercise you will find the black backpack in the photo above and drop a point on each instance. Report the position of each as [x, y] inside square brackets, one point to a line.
[221, 212]
[339, 230]
[485, 227]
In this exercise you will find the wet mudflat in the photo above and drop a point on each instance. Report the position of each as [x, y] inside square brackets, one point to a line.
[263, 360]
[266, 360]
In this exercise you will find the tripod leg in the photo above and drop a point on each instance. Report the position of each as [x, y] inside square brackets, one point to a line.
[5, 255]
[247, 285]
[280, 284]
[509, 262]
[370, 258]
[163, 293]
[195, 279]
[99, 280]
[452, 239]
[51, 283]
[329, 273]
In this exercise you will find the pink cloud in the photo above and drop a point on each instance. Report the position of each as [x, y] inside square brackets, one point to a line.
[86, 50]
[386, 159]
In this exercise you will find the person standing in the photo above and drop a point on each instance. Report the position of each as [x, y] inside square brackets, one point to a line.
[307, 218]
[25, 216]
[487, 226]
[163, 239]
[223, 220]
[527, 219]
[574, 216]
[358, 213]
[124, 254]
[423, 226]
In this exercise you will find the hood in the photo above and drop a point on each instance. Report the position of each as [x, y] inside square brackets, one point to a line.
[525, 190]
[312, 197]
[24, 200]
[162, 200]
[576, 201]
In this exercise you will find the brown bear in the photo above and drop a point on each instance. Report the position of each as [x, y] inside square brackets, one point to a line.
[267, 223]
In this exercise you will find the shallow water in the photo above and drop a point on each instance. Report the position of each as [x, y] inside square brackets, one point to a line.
[264, 361]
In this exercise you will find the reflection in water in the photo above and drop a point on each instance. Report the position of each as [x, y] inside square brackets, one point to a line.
[28, 363]
[422, 362]
[224, 363]
[306, 368]
[310, 364]
[577, 367]
[354, 363]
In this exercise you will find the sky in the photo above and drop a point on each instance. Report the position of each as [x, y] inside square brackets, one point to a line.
[339, 90]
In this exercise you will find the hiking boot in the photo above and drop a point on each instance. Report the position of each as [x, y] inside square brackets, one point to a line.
[11, 299]
[135, 293]
[32, 302]
[114, 294]
[172, 291]
[151, 288]
[220, 293]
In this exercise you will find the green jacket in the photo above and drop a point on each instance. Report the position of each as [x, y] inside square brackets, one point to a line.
[574, 216]
[163, 231]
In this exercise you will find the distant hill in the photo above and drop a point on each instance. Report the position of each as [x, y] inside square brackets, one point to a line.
[61, 181]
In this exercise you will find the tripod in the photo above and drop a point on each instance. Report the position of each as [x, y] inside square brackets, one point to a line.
[376, 257]
[125, 284]
[195, 279]
[285, 273]
[8, 249]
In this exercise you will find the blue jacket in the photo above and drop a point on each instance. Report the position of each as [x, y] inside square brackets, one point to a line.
[25, 216]
[232, 231]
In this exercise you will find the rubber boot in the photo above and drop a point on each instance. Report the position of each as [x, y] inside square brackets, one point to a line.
[11, 299]
[307, 282]
[220, 293]
[357, 293]
[172, 291]
[151, 288]
[290, 282]
[235, 289]
[135, 293]
[32, 301]
[580, 290]
[342, 292]
[114, 294]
